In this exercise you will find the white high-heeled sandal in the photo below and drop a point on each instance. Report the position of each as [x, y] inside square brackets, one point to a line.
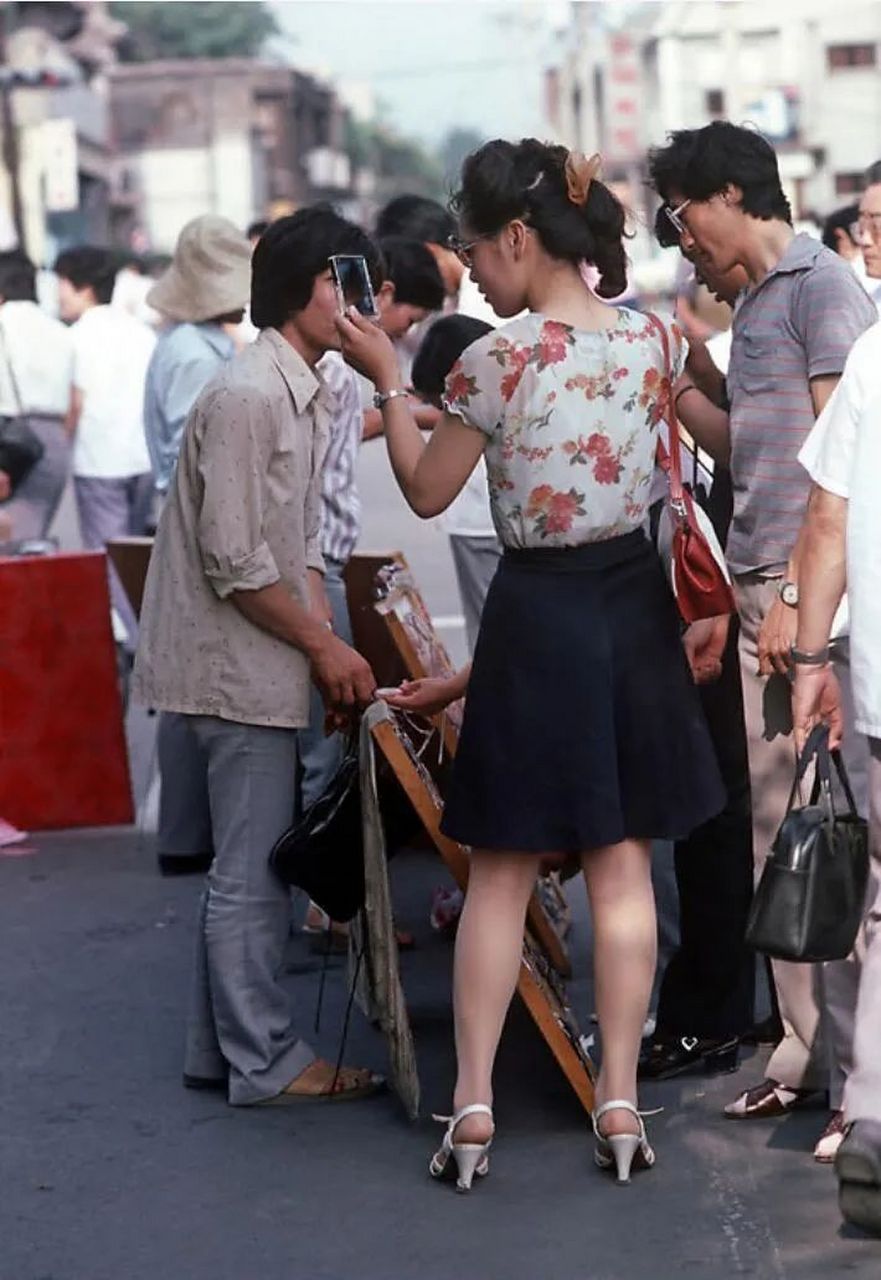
[471, 1158]
[619, 1150]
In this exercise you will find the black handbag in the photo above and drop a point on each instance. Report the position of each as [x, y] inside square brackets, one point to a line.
[323, 853]
[20, 446]
[810, 899]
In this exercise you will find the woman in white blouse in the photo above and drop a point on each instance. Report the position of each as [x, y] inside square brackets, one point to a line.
[582, 731]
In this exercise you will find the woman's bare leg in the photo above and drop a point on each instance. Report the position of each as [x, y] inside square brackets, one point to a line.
[622, 903]
[488, 946]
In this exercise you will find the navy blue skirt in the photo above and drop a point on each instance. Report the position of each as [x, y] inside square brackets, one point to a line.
[582, 725]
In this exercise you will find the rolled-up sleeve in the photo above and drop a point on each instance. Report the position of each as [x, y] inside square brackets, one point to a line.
[235, 452]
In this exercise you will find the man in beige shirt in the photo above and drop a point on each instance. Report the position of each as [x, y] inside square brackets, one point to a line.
[234, 622]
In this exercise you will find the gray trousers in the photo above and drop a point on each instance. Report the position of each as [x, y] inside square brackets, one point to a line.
[184, 805]
[113, 508]
[475, 561]
[817, 1002]
[320, 755]
[33, 505]
[241, 1018]
[862, 1095]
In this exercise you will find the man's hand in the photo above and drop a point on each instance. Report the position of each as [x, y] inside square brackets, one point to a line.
[816, 696]
[343, 677]
[704, 643]
[5, 486]
[776, 638]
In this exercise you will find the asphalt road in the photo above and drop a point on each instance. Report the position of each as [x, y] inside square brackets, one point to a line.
[110, 1170]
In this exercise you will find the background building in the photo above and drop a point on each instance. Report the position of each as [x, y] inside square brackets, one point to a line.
[804, 72]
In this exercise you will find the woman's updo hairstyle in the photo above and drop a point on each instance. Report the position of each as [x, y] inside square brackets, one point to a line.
[531, 180]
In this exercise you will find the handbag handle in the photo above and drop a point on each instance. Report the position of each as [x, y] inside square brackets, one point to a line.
[817, 745]
[670, 461]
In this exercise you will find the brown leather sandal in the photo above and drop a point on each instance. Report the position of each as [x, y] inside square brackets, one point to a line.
[770, 1099]
[327, 1085]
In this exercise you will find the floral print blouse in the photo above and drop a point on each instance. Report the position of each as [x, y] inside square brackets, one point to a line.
[571, 419]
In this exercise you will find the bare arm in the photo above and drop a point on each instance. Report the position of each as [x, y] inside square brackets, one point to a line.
[706, 423]
[74, 411]
[430, 475]
[426, 417]
[343, 676]
[822, 568]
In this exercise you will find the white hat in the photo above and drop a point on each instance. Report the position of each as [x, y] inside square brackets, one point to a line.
[210, 275]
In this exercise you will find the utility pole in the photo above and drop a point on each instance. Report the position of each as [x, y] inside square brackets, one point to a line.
[11, 156]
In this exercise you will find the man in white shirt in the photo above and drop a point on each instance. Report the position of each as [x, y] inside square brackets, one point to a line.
[842, 545]
[36, 360]
[111, 466]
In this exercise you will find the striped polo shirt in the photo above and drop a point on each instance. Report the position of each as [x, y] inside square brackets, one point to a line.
[799, 323]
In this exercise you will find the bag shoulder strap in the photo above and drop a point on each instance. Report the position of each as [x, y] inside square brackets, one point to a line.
[669, 460]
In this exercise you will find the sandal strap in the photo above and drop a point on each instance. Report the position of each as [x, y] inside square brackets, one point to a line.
[473, 1109]
[617, 1104]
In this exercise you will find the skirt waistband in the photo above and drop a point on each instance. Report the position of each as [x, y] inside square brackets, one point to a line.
[590, 555]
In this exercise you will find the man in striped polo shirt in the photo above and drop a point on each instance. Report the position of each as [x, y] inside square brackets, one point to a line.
[794, 325]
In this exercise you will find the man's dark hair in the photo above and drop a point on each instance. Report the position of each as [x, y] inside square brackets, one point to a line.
[413, 271]
[440, 349]
[257, 229]
[88, 267]
[840, 220]
[18, 277]
[293, 252]
[699, 163]
[873, 174]
[416, 218]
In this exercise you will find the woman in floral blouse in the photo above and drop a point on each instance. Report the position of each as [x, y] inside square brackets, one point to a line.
[582, 731]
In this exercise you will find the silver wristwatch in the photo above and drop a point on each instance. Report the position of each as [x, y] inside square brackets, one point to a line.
[381, 398]
[788, 592]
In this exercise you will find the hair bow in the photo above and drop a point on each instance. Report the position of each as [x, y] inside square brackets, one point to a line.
[580, 173]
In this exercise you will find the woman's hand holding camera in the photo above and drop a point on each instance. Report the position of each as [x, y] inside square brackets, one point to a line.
[366, 348]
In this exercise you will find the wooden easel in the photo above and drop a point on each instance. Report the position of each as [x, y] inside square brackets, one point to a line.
[422, 652]
[537, 985]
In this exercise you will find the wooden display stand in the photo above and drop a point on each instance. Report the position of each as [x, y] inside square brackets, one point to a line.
[537, 985]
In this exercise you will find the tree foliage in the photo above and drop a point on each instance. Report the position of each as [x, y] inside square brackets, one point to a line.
[455, 146]
[185, 29]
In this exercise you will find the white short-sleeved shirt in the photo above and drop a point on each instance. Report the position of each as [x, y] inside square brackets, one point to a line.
[843, 455]
[111, 353]
[571, 419]
[40, 351]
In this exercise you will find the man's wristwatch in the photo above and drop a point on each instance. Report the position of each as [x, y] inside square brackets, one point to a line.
[799, 658]
[381, 398]
[788, 593]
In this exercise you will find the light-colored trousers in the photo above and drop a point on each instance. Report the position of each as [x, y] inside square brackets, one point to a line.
[475, 560]
[33, 505]
[811, 1042]
[241, 1017]
[862, 1095]
[111, 508]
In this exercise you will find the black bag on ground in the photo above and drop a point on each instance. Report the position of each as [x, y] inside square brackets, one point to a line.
[323, 853]
[809, 902]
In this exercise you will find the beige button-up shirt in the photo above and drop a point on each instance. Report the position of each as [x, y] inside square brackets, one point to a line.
[243, 512]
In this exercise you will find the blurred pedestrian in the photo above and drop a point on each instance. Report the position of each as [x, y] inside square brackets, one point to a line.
[468, 520]
[36, 367]
[111, 466]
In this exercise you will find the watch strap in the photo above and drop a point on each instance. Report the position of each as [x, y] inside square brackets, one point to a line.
[801, 658]
[381, 398]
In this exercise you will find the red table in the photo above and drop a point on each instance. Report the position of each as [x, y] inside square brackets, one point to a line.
[63, 757]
